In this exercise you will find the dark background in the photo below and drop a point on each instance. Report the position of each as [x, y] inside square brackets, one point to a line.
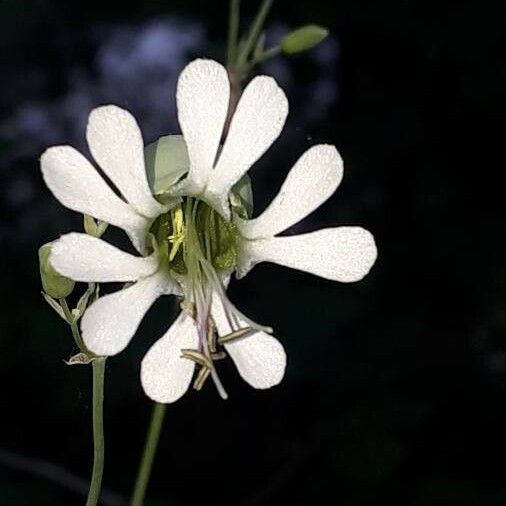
[395, 389]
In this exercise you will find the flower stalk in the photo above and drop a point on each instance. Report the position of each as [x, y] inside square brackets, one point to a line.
[254, 33]
[233, 32]
[148, 455]
[98, 365]
[74, 327]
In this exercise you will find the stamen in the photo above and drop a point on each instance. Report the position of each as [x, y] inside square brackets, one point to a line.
[197, 357]
[236, 335]
[201, 378]
[229, 308]
[211, 335]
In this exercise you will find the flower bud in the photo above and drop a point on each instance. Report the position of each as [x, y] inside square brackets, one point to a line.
[55, 285]
[94, 227]
[303, 39]
[90, 226]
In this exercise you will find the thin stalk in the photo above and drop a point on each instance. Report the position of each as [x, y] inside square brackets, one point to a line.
[233, 33]
[214, 375]
[98, 431]
[148, 455]
[71, 320]
[254, 32]
[266, 55]
[235, 95]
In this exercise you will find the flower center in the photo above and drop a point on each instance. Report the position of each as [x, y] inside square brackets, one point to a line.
[194, 229]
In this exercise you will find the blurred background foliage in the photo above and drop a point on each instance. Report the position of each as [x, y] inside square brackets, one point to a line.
[396, 386]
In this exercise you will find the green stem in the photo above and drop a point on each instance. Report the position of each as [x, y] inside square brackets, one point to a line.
[266, 55]
[254, 32]
[233, 32]
[71, 320]
[148, 455]
[98, 431]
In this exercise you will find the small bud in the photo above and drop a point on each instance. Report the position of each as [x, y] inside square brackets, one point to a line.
[55, 285]
[90, 225]
[303, 39]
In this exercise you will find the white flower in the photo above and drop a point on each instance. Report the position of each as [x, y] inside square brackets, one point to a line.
[341, 254]
[115, 142]
[201, 240]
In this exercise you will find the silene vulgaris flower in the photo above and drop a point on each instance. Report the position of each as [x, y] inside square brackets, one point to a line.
[198, 231]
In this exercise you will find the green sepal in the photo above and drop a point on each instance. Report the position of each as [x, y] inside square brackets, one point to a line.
[54, 305]
[222, 237]
[225, 251]
[303, 39]
[241, 197]
[84, 300]
[166, 162]
[54, 284]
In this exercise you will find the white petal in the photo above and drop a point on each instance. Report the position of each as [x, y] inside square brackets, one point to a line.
[77, 185]
[109, 324]
[165, 375]
[202, 102]
[257, 122]
[259, 358]
[341, 254]
[312, 180]
[82, 257]
[115, 142]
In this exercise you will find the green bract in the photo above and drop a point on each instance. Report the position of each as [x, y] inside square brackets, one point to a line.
[54, 284]
[303, 39]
